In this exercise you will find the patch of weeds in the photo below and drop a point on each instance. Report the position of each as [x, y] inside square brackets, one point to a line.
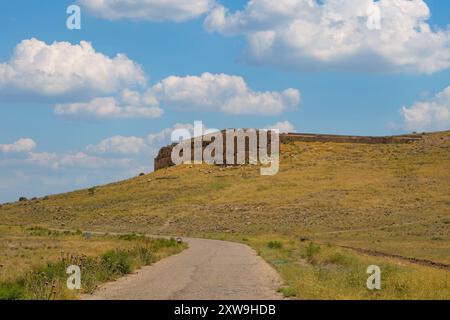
[339, 258]
[117, 262]
[130, 237]
[145, 256]
[355, 279]
[274, 245]
[44, 232]
[12, 290]
[310, 252]
[49, 282]
[287, 292]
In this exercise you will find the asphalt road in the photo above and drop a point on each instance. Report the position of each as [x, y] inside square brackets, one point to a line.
[208, 270]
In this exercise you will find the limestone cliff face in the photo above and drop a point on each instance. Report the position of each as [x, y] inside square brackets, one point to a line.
[163, 159]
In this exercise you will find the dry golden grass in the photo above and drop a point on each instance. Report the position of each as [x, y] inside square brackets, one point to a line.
[33, 260]
[389, 198]
[22, 249]
[323, 271]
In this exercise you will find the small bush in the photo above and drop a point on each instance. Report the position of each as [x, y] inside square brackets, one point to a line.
[12, 291]
[118, 262]
[22, 199]
[310, 252]
[274, 245]
[287, 292]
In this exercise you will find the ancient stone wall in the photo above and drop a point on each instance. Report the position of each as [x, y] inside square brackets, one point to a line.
[163, 159]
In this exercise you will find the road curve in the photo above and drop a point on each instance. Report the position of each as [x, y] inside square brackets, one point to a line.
[207, 270]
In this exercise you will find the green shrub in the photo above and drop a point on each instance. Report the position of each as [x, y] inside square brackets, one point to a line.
[12, 291]
[274, 245]
[288, 292]
[310, 252]
[117, 262]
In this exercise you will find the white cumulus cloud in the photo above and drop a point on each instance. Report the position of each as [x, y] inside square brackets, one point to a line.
[431, 114]
[119, 145]
[74, 160]
[308, 34]
[131, 105]
[137, 147]
[150, 10]
[221, 92]
[283, 126]
[21, 145]
[62, 68]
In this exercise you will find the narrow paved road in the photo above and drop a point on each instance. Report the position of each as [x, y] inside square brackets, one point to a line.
[208, 270]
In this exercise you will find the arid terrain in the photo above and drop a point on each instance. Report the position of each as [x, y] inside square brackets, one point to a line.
[332, 210]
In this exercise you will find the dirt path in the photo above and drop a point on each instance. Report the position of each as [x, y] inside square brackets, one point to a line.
[209, 269]
[423, 262]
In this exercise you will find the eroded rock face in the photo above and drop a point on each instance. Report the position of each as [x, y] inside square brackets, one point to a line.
[163, 159]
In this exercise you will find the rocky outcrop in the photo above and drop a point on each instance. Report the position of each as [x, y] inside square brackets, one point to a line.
[163, 159]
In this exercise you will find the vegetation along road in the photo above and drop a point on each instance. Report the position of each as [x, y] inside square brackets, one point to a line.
[209, 269]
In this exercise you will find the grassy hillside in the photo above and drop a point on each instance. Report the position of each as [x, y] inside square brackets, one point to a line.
[392, 199]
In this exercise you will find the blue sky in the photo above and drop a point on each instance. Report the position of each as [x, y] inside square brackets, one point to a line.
[335, 97]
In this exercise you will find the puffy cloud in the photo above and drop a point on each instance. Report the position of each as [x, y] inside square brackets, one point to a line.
[64, 71]
[40, 173]
[21, 145]
[151, 10]
[132, 105]
[340, 34]
[163, 136]
[74, 160]
[432, 114]
[284, 127]
[120, 145]
[221, 92]
[207, 92]
[137, 146]
[61, 68]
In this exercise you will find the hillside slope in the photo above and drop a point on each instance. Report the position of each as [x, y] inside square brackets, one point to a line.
[389, 198]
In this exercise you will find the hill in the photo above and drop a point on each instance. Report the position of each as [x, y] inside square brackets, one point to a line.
[388, 200]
